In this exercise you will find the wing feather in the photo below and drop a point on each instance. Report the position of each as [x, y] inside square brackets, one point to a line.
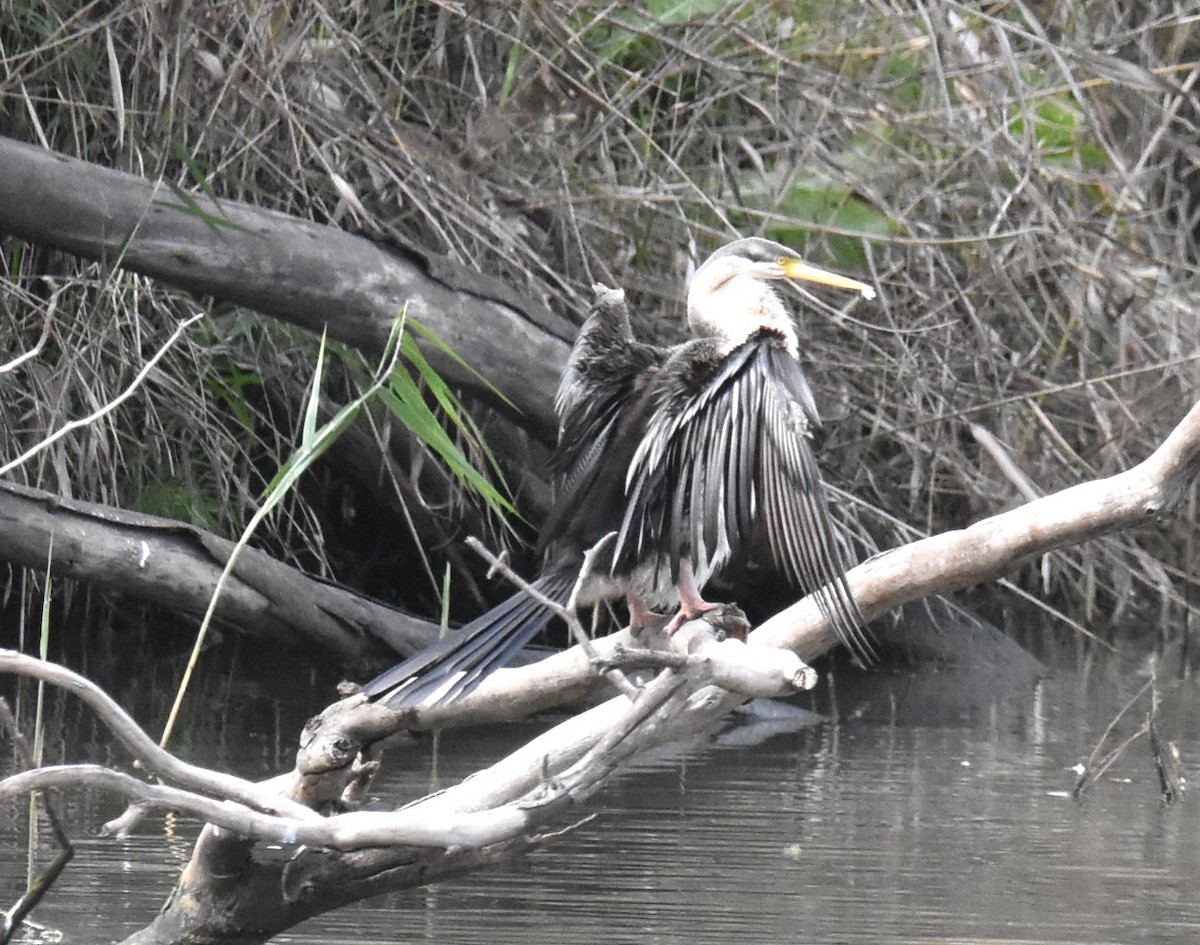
[605, 375]
[727, 455]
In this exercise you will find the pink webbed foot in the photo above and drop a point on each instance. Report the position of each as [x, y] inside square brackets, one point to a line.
[690, 612]
[726, 618]
[691, 604]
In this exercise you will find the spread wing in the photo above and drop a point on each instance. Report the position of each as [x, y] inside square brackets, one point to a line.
[727, 456]
[598, 404]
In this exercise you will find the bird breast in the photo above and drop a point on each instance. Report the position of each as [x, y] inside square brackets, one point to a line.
[737, 309]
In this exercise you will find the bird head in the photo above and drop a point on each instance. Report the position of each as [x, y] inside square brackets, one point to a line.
[731, 295]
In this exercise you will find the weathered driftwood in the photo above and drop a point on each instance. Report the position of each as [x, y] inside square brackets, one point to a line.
[1138, 497]
[939, 564]
[332, 762]
[228, 893]
[311, 275]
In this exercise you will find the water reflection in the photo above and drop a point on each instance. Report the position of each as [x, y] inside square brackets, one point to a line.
[858, 832]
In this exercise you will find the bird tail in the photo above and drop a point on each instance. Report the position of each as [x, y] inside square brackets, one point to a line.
[461, 660]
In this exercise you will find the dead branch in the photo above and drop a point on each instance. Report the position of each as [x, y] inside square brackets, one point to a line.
[142, 746]
[939, 564]
[567, 614]
[984, 551]
[491, 814]
[325, 768]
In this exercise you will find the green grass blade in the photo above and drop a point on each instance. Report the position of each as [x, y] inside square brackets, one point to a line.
[449, 451]
[315, 441]
[309, 428]
[39, 716]
[407, 403]
[432, 337]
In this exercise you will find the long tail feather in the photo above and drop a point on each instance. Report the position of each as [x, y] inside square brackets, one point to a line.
[461, 660]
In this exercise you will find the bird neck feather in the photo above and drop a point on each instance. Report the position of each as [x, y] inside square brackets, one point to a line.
[736, 308]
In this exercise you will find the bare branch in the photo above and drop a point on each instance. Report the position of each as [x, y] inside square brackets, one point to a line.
[942, 563]
[156, 761]
[575, 756]
[996, 545]
[567, 614]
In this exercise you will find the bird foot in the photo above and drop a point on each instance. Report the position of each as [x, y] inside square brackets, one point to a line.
[641, 616]
[688, 612]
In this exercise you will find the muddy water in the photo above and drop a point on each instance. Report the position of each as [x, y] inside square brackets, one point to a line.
[865, 830]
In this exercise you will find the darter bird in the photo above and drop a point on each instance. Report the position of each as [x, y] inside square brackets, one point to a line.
[679, 460]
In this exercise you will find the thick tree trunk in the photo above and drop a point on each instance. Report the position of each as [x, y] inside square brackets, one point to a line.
[314, 276]
[255, 899]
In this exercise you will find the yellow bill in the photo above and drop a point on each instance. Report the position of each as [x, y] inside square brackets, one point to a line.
[802, 271]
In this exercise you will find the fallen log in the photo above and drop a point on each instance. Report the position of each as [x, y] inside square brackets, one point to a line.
[308, 274]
